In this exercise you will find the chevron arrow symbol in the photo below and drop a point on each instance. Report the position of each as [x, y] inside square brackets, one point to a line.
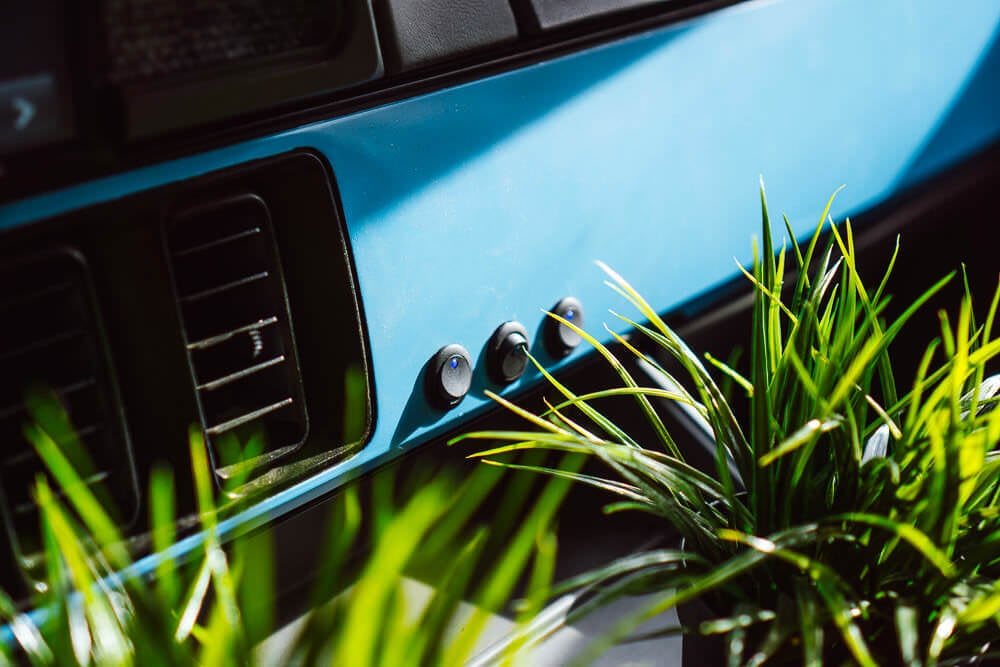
[25, 112]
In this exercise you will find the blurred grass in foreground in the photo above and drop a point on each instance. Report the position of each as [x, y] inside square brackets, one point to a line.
[217, 604]
[847, 519]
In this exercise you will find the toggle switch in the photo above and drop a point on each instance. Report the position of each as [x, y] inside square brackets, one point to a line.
[507, 352]
[449, 376]
[560, 340]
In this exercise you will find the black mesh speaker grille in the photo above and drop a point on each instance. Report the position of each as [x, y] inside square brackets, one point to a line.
[148, 39]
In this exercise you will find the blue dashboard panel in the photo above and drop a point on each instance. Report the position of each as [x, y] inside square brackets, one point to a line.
[490, 201]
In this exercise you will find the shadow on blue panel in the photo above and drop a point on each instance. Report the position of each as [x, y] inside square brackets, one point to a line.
[442, 132]
[417, 413]
[972, 122]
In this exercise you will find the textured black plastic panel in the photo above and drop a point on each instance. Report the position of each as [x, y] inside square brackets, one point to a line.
[151, 38]
[559, 13]
[420, 32]
[199, 64]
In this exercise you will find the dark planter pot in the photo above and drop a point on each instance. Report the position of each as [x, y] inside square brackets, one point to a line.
[698, 650]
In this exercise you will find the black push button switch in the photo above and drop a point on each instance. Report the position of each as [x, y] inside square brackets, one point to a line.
[560, 340]
[507, 352]
[420, 32]
[449, 376]
[558, 13]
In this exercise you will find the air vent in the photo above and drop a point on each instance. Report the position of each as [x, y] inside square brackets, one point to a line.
[51, 340]
[237, 327]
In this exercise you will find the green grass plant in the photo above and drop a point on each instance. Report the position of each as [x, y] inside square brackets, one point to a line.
[848, 518]
[214, 605]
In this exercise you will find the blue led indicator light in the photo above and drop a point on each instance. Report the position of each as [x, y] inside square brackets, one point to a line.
[570, 314]
[454, 362]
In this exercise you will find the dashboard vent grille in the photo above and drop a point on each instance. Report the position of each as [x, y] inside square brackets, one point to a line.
[51, 341]
[237, 326]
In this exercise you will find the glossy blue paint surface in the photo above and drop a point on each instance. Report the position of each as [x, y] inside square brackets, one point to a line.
[489, 201]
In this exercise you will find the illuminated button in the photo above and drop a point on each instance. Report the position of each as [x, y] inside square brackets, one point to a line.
[507, 352]
[560, 340]
[449, 376]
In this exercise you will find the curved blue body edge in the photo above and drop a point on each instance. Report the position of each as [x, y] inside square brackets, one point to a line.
[490, 201]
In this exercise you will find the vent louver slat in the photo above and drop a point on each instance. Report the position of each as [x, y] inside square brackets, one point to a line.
[237, 326]
[51, 340]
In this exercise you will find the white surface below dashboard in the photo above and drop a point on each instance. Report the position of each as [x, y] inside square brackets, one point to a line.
[550, 642]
